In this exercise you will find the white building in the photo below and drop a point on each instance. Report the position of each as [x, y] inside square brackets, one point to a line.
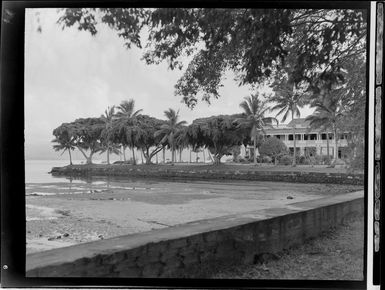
[307, 142]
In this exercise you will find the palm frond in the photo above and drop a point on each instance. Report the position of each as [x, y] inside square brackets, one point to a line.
[246, 108]
[285, 116]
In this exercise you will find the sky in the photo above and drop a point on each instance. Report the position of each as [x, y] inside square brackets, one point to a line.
[70, 74]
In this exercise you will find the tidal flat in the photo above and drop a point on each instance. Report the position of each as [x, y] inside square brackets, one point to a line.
[63, 214]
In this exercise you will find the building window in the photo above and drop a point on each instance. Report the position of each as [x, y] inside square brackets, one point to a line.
[323, 136]
[305, 137]
[290, 137]
[313, 137]
[343, 136]
[298, 137]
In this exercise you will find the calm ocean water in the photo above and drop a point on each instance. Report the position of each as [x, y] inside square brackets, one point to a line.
[36, 171]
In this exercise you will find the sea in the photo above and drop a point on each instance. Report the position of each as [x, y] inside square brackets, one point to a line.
[37, 171]
[39, 181]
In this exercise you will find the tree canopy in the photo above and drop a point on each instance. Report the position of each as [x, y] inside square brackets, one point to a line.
[144, 129]
[273, 147]
[64, 139]
[217, 133]
[253, 43]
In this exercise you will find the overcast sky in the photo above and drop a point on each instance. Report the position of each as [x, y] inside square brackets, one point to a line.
[70, 74]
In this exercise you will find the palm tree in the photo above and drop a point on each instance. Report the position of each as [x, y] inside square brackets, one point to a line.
[288, 102]
[170, 129]
[253, 117]
[65, 140]
[181, 141]
[108, 118]
[110, 149]
[125, 113]
[327, 114]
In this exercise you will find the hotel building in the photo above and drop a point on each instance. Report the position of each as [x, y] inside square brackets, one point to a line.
[308, 142]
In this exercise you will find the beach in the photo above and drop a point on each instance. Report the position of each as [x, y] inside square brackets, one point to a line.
[61, 214]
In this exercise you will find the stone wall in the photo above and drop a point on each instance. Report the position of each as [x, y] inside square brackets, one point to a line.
[204, 174]
[180, 250]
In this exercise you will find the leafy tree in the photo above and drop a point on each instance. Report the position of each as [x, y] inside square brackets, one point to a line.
[253, 43]
[217, 133]
[274, 148]
[64, 136]
[144, 129]
[352, 122]
[88, 134]
[170, 129]
[126, 111]
[254, 118]
[288, 100]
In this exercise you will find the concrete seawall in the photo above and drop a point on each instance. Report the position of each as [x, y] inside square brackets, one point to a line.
[179, 250]
[87, 171]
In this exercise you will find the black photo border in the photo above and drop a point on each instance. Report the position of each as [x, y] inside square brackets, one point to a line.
[13, 217]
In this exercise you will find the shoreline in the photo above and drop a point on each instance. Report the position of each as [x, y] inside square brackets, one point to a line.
[299, 174]
[88, 212]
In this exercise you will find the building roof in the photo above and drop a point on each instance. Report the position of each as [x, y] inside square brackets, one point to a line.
[299, 123]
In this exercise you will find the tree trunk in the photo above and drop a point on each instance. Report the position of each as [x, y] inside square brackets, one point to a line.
[69, 152]
[255, 144]
[335, 145]
[180, 155]
[190, 155]
[156, 157]
[124, 153]
[164, 155]
[204, 156]
[133, 156]
[141, 156]
[108, 156]
[89, 158]
[172, 148]
[147, 157]
[217, 160]
[327, 147]
[295, 143]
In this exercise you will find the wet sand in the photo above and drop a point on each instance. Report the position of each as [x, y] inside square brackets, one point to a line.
[63, 214]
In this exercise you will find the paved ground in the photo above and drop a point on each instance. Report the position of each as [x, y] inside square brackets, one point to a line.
[61, 214]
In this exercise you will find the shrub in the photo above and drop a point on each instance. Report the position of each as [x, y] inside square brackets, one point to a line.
[273, 147]
[318, 159]
[266, 159]
[311, 160]
[300, 159]
[243, 160]
[326, 159]
[286, 160]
